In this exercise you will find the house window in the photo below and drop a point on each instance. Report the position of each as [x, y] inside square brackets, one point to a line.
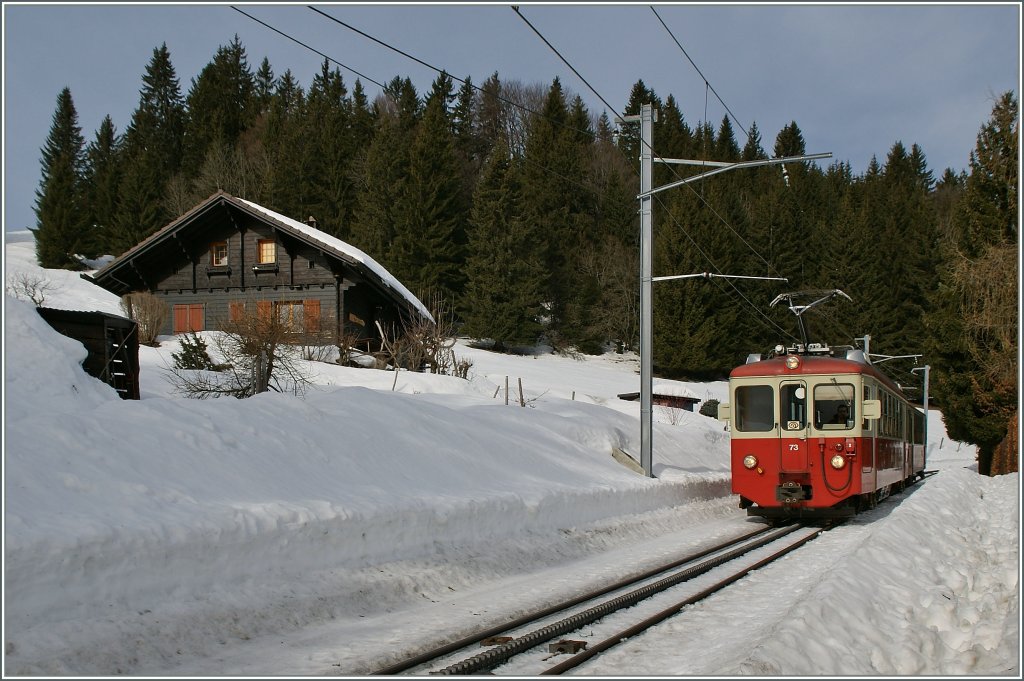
[266, 251]
[298, 315]
[219, 254]
[290, 314]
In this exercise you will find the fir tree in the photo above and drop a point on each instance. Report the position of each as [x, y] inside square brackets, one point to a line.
[504, 269]
[152, 154]
[221, 104]
[329, 149]
[489, 117]
[264, 87]
[430, 238]
[383, 172]
[102, 182]
[553, 178]
[975, 325]
[287, 144]
[158, 123]
[61, 217]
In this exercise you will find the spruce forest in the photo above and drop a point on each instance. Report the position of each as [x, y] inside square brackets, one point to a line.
[516, 205]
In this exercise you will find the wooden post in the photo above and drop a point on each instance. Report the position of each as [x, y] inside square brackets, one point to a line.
[506, 391]
[522, 401]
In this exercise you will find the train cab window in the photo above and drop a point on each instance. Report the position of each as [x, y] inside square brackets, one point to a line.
[794, 406]
[755, 408]
[834, 407]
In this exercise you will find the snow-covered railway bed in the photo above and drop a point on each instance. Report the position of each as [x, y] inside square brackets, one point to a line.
[398, 610]
[599, 620]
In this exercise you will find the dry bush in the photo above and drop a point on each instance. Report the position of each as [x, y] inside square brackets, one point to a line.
[33, 287]
[148, 311]
[424, 345]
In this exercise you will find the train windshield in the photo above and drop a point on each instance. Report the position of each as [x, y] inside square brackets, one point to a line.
[834, 406]
[755, 408]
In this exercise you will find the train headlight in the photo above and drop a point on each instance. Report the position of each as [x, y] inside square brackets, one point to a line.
[749, 461]
[838, 461]
[792, 362]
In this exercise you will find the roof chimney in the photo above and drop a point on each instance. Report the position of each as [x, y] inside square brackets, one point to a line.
[311, 221]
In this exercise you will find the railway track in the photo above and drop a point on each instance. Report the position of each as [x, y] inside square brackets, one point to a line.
[607, 613]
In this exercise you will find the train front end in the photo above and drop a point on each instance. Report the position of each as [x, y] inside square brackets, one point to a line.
[799, 445]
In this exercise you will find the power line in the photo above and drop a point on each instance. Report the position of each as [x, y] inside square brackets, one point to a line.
[565, 61]
[311, 49]
[706, 82]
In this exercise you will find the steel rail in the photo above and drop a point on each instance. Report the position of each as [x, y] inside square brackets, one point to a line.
[502, 653]
[583, 656]
[478, 636]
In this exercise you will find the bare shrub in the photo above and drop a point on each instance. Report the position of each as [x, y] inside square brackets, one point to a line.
[425, 345]
[148, 311]
[32, 287]
[670, 415]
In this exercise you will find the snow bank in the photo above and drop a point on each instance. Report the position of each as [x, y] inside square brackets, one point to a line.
[195, 509]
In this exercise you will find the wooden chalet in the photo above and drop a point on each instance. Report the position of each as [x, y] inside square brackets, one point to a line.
[227, 254]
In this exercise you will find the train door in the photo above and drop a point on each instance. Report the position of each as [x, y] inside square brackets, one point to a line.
[869, 448]
[793, 422]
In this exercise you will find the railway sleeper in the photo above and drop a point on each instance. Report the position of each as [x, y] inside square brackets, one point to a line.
[567, 646]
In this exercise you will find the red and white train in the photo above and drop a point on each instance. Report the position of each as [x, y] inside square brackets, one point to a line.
[818, 432]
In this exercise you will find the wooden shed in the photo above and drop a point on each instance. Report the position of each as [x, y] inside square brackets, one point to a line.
[665, 398]
[111, 341]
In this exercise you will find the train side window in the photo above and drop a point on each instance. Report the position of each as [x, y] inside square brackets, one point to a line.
[794, 406]
[834, 407]
[755, 408]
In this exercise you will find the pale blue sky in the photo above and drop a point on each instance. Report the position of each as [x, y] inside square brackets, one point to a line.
[855, 78]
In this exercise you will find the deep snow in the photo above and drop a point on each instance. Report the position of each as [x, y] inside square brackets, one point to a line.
[339, 532]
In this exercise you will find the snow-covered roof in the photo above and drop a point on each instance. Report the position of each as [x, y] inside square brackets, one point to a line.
[340, 249]
[346, 249]
[673, 390]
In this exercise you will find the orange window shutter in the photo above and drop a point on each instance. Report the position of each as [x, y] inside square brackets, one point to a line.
[263, 310]
[181, 318]
[237, 312]
[196, 321]
[311, 314]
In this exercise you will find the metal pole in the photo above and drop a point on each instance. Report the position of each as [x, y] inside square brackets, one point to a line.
[647, 118]
[646, 299]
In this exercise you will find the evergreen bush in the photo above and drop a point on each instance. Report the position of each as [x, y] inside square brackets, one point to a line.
[194, 354]
[710, 408]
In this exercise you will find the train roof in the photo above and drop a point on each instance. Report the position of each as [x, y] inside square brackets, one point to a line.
[811, 365]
